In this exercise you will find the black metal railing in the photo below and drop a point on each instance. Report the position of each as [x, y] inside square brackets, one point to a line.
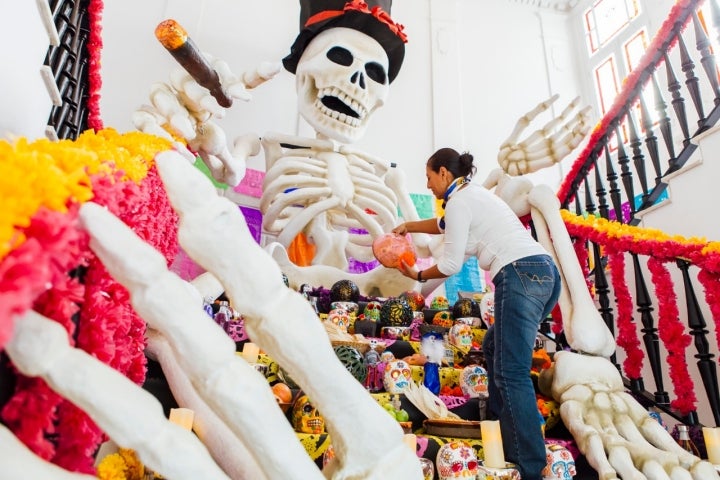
[69, 64]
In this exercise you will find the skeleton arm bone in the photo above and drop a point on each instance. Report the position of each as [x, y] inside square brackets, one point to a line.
[363, 434]
[228, 451]
[19, 462]
[129, 415]
[584, 327]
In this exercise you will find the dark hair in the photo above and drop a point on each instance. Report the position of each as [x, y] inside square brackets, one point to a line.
[459, 164]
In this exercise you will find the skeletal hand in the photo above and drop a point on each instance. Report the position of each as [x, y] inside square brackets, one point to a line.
[548, 145]
[616, 434]
[184, 109]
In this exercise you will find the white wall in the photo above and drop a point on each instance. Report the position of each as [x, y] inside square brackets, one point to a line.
[471, 70]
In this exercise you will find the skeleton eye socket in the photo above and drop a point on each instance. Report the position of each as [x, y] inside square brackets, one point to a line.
[457, 467]
[341, 56]
[376, 72]
[472, 465]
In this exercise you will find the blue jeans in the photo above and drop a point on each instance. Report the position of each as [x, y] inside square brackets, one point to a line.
[525, 293]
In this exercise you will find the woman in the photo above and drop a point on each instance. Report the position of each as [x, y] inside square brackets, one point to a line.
[527, 286]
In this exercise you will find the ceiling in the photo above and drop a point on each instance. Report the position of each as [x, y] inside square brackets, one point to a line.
[559, 5]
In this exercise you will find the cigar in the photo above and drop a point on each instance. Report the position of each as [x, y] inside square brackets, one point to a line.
[175, 39]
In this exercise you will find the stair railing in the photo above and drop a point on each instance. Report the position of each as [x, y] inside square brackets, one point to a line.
[605, 191]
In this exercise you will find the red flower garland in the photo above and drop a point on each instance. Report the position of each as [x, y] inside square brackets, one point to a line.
[94, 47]
[660, 43]
[627, 337]
[672, 333]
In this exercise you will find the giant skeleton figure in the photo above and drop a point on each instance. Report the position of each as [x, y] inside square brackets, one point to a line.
[344, 59]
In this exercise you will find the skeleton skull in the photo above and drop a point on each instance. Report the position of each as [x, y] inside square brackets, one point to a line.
[341, 80]
[397, 376]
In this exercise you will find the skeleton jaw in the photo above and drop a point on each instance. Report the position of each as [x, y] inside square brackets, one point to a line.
[335, 113]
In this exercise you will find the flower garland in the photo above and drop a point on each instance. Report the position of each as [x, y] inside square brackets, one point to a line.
[44, 184]
[627, 337]
[661, 248]
[94, 47]
[672, 333]
[652, 57]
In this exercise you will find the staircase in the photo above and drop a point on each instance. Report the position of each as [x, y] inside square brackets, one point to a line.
[638, 204]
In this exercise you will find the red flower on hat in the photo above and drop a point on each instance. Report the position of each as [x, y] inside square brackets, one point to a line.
[362, 7]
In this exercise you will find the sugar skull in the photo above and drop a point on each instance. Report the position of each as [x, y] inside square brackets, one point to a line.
[339, 317]
[461, 336]
[397, 376]
[560, 463]
[341, 79]
[456, 459]
[443, 319]
[439, 303]
[306, 418]
[416, 300]
[350, 307]
[487, 309]
[372, 311]
[474, 381]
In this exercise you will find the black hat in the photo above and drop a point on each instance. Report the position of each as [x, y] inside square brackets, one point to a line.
[319, 15]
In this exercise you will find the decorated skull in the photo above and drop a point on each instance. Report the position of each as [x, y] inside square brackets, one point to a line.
[560, 463]
[456, 459]
[474, 381]
[487, 309]
[341, 79]
[306, 418]
[439, 303]
[397, 376]
[372, 310]
[461, 336]
[339, 317]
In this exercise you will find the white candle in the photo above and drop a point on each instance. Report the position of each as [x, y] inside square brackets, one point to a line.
[410, 440]
[712, 443]
[183, 417]
[250, 352]
[492, 444]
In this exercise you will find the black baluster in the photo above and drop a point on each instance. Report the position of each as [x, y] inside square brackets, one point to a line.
[705, 363]
[650, 139]
[650, 336]
[589, 200]
[664, 123]
[678, 102]
[600, 192]
[638, 157]
[578, 207]
[707, 59]
[612, 179]
[602, 292]
[691, 81]
[627, 179]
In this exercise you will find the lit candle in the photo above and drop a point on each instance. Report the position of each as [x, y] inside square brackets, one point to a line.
[712, 443]
[183, 417]
[250, 352]
[492, 444]
[410, 440]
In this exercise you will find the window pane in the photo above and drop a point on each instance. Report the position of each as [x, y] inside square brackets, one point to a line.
[606, 18]
[635, 49]
[606, 82]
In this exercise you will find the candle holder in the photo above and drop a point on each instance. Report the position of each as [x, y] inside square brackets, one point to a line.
[509, 472]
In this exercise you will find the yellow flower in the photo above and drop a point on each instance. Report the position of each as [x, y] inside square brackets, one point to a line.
[55, 174]
[112, 467]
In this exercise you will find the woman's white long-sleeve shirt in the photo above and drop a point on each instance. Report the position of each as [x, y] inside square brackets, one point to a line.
[479, 223]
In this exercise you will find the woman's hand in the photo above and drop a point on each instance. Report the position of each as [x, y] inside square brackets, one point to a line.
[407, 270]
[401, 229]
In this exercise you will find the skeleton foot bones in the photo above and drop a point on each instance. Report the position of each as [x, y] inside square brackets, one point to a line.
[616, 434]
[233, 391]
